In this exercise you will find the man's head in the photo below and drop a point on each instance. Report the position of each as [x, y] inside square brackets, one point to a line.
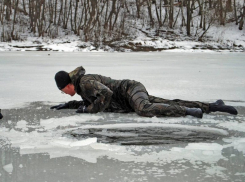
[63, 82]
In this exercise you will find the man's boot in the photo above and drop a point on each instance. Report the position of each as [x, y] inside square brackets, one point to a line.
[220, 106]
[196, 112]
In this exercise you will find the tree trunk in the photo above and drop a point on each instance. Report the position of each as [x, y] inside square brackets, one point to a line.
[138, 8]
[15, 10]
[116, 17]
[71, 21]
[65, 15]
[55, 12]
[171, 14]
[183, 17]
[228, 6]
[235, 13]
[242, 19]
[188, 25]
[8, 9]
[210, 4]
[222, 21]
[200, 2]
[61, 10]
[150, 14]
[204, 16]
[158, 17]
[75, 16]
[24, 7]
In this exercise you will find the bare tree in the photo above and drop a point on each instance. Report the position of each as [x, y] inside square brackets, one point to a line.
[15, 11]
[171, 14]
[149, 3]
[188, 11]
[221, 13]
[242, 18]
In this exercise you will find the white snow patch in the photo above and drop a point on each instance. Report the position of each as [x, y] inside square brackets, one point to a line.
[233, 125]
[8, 168]
[240, 174]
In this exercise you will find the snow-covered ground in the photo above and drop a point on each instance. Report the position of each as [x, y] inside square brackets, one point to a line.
[219, 38]
[39, 144]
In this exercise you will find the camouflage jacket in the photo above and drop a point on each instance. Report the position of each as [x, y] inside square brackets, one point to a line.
[100, 93]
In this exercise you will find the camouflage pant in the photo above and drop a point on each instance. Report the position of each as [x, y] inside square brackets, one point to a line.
[149, 106]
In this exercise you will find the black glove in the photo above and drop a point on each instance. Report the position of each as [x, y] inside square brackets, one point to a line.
[61, 106]
[82, 109]
[1, 116]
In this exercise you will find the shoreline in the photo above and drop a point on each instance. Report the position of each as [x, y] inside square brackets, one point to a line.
[158, 45]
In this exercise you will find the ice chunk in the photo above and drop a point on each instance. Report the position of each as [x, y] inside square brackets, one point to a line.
[70, 121]
[102, 146]
[146, 125]
[204, 146]
[8, 168]
[83, 142]
[63, 142]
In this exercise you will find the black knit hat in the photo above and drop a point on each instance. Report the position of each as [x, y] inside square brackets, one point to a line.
[62, 79]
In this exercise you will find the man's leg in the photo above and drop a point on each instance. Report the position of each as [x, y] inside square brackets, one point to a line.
[139, 100]
[190, 104]
[219, 105]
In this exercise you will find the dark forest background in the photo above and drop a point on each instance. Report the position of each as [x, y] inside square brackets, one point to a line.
[110, 20]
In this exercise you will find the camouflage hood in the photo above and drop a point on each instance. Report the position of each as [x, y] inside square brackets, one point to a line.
[76, 75]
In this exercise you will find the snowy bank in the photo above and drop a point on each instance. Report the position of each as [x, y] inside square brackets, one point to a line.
[227, 38]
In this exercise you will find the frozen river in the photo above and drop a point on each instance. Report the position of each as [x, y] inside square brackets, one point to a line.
[39, 144]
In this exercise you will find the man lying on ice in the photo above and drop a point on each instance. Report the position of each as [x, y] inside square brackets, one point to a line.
[103, 94]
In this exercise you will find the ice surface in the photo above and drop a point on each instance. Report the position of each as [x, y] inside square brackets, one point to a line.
[157, 71]
[36, 130]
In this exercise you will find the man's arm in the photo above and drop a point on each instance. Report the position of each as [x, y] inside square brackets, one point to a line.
[69, 105]
[75, 104]
[97, 94]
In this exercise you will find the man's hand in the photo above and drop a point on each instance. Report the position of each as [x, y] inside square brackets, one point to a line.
[82, 109]
[61, 106]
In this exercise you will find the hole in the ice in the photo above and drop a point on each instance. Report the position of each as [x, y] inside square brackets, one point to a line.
[146, 135]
